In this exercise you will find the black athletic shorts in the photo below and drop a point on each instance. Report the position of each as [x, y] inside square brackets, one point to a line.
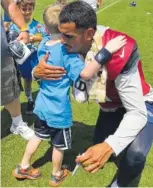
[61, 138]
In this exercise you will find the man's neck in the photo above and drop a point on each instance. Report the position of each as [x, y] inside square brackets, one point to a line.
[86, 49]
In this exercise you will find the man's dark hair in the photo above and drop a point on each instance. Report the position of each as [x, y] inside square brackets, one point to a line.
[81, 13]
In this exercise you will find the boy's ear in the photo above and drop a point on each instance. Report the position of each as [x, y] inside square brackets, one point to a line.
[89, 34]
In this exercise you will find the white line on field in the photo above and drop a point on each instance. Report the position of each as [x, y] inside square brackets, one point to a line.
[107, 7]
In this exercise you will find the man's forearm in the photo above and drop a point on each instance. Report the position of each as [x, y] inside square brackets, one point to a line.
[130, 92]
[129, 128]
[14, 13]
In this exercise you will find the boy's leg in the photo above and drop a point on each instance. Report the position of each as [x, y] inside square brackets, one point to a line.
[25, 170]
[61, 140]
[57, 159]
[28, 93]
[25, 70]
[27, 88]
[31, 148]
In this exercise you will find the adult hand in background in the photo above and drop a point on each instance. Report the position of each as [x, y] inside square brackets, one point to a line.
[24, 37]
[48, 72]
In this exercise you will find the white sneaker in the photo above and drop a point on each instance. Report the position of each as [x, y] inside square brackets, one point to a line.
[23, 130]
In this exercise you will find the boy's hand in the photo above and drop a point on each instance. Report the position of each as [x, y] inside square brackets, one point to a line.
[115, 44]
[34, 38]
[31, 38]
[48, 72]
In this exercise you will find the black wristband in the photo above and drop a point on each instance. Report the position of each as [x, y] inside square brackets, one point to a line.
[103, 56]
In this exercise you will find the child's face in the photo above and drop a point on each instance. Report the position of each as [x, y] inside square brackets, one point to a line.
[27, 11]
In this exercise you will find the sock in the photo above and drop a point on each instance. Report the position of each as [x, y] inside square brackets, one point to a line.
[24, 166]
[28, 94]
[17, 120]
[114, 184]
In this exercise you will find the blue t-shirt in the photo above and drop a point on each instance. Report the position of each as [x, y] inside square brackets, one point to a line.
[35, 28]
[53, 102]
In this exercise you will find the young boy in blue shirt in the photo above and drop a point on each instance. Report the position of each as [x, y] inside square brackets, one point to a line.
[53, 106]
[37, 32]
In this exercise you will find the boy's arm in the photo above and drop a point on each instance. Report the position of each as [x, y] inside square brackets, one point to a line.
[102, 57]
[35, 38]
[90, 70]
[94, 66]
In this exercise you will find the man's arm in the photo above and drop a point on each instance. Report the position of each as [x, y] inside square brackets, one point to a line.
[16, 16]
[130, 92]
[7, 21]
[47, 72]
[14, 12]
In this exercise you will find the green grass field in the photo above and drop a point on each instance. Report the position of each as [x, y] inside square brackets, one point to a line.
[135, 21]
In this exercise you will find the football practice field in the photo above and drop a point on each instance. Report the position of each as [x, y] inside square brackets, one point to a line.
[117, 14]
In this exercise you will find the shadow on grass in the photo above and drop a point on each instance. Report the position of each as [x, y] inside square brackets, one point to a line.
[81, 139]
[6, 118]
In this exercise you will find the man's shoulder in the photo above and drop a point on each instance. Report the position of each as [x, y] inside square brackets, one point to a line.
[111, 33]
[102, 28]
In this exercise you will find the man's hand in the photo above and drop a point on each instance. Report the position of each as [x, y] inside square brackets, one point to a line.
[24, 37]
[95, 157]
[48, 72]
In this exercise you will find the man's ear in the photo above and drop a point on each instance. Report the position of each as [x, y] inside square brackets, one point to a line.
[89, 34]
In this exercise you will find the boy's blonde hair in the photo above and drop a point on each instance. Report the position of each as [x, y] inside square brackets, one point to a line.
[51, 18]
